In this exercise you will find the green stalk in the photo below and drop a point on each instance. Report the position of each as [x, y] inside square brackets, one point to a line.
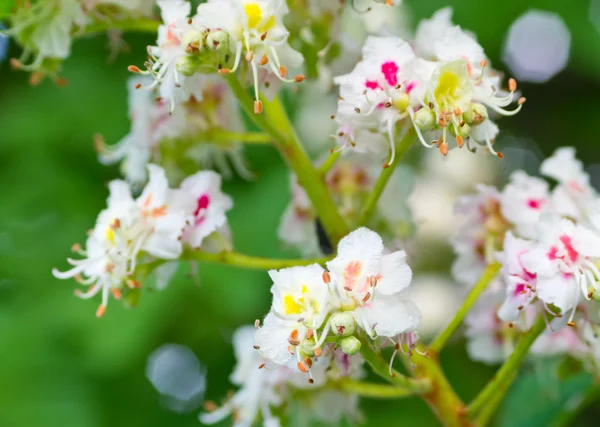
[506, 373]
[231, 258]
[488, 275]
[134, 25]
[386, 174]
[372, 390]
[381, 368]
[275, 122]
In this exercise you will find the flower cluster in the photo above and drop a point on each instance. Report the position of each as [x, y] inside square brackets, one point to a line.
[548, 244]
[156, 225]
[360, 293]
[263, 387]
[441, 85]
[214, 40]
[202, 133]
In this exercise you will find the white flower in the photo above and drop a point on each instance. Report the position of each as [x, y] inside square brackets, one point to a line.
[175, 86]
[574, 196]
[563, 262]
[257, 392]
[377, 93]
[44, 30]
[211, 205]
[153, 224]
[256, 28]
[369, 285]
[520, 283]
[301, 302]
[523, 201]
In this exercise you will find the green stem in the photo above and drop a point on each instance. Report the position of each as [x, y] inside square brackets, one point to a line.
[506, 373]
[488, 275]
[373, 390]
[219, 135]
[231, 258]
[329, 162]
[381, 368]
[135, 25]
[383, 179]
[294, 153]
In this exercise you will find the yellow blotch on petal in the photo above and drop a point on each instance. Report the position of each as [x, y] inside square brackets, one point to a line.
[292, 305]
[255, 16]
[447, 86]
[110, 235]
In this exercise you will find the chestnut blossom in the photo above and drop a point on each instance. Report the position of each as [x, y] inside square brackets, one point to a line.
[362, 288]
[523, 201]
[563, 262]
[156, 224]
[254, 30]
[168, 58]
[263, 386]
[211, 205]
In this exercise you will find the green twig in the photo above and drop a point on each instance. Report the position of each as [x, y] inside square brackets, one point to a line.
[275, 122]
[372, 390]
[329, 162]
[488, 411]
[383, 179]
[381, 368]
[231, 258]
[506, 373]
[488, 275]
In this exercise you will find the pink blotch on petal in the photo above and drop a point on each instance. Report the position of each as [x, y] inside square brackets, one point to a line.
[201, 205]
[535, 203]
[372, 84]
[390, 72]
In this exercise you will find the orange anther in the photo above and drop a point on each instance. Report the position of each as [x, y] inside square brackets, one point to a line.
[258, 107]
[512, 84]
[101, 310]
[134, 69]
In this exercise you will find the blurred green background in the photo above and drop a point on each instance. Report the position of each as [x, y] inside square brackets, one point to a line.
[60, 366]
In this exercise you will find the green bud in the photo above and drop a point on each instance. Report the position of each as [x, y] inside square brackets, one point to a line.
[343, 324]
[350, 345]
[463, 130]
[306, 347]
[188, 65]
[193, 41]
[594, 294]
[475, 114]
[217, 40]
[402, 102]
[425, 119]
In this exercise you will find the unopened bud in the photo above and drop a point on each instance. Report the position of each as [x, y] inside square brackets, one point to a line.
[475, 114]
[350, 345]
[343, 324]
[402, 102]
[425, 119]
[188, 65]
[217, 40]
[306, 348]
[193, 41]
[462, 131]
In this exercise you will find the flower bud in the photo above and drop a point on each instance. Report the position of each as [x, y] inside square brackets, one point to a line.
[343, 324]
[188, 65]
[217, 40]
[595, 295]
[193, 41]
[462, 131]
[306, 348]
[132, 297]
[475, 114]
[425, 119]
[350, 345]
[402, 102]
